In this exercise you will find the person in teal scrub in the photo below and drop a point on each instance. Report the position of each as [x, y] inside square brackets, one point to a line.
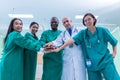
[94, 42]
[52, 63]
[30, 56]
[12, 61]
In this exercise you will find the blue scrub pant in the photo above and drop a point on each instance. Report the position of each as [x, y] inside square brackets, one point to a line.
[109, 73]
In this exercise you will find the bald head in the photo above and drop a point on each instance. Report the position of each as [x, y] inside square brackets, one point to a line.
[67, 22]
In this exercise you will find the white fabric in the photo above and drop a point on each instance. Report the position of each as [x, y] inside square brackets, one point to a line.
[73, 62]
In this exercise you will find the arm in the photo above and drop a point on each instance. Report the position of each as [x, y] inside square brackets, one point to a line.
[68, 42]
[25, 42]
[57, 42]
[30, 36]
[77, 39]
[114, 51]
[110, 38]
[43, 38]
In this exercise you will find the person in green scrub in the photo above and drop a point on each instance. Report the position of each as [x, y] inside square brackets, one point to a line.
[30, 56]
[52, 63]
[12, 62]
[94, 42]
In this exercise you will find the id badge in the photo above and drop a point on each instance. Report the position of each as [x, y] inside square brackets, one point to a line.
[88, 63]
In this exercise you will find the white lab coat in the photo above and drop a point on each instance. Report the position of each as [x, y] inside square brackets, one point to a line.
[73, 62]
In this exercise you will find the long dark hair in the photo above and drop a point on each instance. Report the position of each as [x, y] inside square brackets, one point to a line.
[90, 14]
[32, 23]
[10, 28]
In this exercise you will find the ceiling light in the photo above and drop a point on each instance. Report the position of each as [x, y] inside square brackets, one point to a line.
[20, 15]
[81, 17]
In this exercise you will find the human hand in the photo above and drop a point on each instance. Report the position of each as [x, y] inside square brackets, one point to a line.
[48, 45]
[49, 50]
[113, 55]
[55, 50]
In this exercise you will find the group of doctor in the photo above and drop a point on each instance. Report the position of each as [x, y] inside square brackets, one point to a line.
[20, 53]
[76, 50]
[92, 43]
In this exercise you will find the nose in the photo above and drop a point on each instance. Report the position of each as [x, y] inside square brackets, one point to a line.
[20, 25]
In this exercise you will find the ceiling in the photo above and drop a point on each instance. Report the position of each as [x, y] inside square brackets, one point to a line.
[42, 10]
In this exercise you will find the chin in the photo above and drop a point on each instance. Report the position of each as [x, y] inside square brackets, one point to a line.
[19, 30]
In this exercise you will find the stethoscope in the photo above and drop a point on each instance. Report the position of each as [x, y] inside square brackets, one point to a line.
[88, 43]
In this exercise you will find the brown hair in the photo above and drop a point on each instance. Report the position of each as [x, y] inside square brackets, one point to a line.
[90, 14]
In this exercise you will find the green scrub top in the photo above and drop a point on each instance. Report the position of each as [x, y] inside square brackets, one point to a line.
[52, 62]
[13, 54]
[30, 60]
[95, 47]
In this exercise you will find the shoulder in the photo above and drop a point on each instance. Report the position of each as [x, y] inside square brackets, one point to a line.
[59, 31]
[28, 34]
[45, 32]
[83, 31]
[14, 33]
[102, 29]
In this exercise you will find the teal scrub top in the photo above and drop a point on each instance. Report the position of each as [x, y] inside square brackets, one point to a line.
[52, 62]
[13, 54]
[30, 60]
[95, 47]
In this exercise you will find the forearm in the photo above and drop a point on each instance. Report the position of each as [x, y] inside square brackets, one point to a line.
[68, 42]
[114, 51]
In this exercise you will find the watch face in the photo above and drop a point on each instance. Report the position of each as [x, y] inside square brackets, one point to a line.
[71, 45]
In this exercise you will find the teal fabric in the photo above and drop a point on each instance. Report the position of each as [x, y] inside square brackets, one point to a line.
[52, 62]
[30, 60]
[13, 54]
[109, 73]
[98, 52]
[95, 48]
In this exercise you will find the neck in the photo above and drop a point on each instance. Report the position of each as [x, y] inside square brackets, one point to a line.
[92, 29]
[54, 29]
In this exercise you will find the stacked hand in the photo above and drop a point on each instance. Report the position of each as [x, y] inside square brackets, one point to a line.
[49, 47]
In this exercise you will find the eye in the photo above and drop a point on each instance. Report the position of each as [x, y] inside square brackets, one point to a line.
[54, 22]
[85, 20]
[65, 21]
[89, 19]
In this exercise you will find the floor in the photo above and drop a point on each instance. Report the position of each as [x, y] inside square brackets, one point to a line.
[39, 72]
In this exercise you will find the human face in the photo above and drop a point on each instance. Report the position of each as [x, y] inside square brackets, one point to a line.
[34, 28]
[67, 23]
[17, 25]
[89, 21]
[54, 24]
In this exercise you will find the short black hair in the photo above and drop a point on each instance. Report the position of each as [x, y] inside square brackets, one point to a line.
[32, 23]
